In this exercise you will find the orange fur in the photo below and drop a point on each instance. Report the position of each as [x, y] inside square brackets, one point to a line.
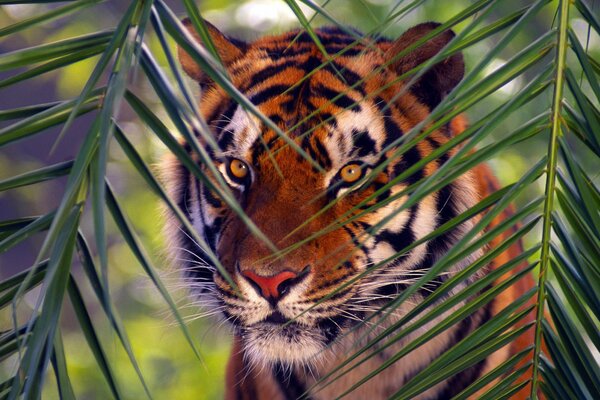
[289, 200]
[488, 184]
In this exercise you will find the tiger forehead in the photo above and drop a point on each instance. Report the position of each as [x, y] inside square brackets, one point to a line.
[350, 135]
[338, 52]
[302, 85]
[322, 104]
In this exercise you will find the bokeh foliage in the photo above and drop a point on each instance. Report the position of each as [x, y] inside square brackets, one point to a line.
[90, 95]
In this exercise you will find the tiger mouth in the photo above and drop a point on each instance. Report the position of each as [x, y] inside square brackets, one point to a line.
[292, 344]
[278, 333]
[278, 318]
[330, 327]
[278, 339]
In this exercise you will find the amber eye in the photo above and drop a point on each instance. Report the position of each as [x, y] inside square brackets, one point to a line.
[238, 169]
[351, 173]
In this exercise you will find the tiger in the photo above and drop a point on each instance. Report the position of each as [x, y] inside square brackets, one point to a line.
[311, 248]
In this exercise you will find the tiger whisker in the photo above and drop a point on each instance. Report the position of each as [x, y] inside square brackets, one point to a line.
[193, 241]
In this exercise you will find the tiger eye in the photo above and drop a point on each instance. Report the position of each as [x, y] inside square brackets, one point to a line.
[351, 173]
[238, 168]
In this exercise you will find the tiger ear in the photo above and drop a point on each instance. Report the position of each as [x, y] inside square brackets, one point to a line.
[440, 78]
[228, 50]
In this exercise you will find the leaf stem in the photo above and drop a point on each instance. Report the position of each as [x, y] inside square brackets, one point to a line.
[550, 187]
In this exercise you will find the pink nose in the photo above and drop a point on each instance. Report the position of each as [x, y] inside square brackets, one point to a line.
[271, 287]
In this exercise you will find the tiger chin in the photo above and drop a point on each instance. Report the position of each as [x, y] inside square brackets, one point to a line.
[326, 199]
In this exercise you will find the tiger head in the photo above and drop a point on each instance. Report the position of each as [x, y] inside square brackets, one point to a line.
[319, 245]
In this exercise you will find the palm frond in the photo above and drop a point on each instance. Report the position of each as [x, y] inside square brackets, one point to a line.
[554, 115]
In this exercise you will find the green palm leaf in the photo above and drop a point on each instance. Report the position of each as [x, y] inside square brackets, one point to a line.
[134, 94]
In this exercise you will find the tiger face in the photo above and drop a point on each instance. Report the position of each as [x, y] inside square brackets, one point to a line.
[327, 195]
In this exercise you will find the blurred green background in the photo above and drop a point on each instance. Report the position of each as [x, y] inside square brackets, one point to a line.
[166, 360]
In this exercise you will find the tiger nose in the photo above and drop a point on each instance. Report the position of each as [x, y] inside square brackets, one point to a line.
[273, 287]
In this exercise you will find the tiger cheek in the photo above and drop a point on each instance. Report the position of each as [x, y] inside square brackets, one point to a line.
[228, 248]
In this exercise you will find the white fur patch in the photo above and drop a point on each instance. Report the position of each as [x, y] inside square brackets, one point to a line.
[349, 121]
[245, 130]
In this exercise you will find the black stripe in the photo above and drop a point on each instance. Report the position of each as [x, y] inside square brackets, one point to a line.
[409, 158]
[446, 206]
[218, 110]
[192, 271]
[297, 93]
[240, 44]
[328, 118]
[347, 52]
[186, 202]
[210, 233]
[406, 236]
[434, 283]
[426, 90]
[463, 379]
[225, 140]
[187, 147]
[447, 130]
[442, 158]
[268, 93]
[259, 148]
[439, 246]
[463, 329]
[302, 37]
[199, 193]
[325, 287]
[392, 290]
[316, 151]
[392, 130]
[352, 79]
[352, 236]
[284, 50]
[276, 119]
[210, 198]
[330, 284]
[365, 226]
[227, 294]
[311, 64]
[222, 116]
[324, 159]
[377, 186]
[332, 34]
[269, 72]
[331, 327]
[341, 100]
[290, 385]
[424, 265]
[363, 142]
[310, 151]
